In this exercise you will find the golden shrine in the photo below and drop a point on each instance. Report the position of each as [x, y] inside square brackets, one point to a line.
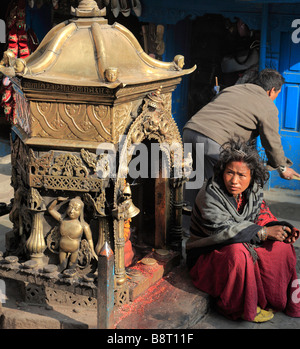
[86, 98]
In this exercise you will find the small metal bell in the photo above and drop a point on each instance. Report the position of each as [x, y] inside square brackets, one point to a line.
[131, 209]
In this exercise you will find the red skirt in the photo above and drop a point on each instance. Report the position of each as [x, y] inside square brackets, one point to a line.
[239, 285]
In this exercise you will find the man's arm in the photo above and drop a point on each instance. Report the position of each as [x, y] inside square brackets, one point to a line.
[271, 141]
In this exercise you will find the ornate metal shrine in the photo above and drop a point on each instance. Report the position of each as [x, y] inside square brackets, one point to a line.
[86, 98]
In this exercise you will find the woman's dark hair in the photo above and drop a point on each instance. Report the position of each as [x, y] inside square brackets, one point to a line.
[238, 150]
[269, 78]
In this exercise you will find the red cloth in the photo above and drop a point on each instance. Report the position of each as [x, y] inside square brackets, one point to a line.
[239, 285]
[265, 215]
[128, 253]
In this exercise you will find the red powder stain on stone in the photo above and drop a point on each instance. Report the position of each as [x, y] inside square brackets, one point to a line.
[139, 304]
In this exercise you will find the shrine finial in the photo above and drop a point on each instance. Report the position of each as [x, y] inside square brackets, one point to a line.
[88, 8]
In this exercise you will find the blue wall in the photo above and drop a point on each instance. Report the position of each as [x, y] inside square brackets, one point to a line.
[272, 18]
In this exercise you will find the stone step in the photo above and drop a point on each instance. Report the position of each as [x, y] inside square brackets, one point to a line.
[171, 303]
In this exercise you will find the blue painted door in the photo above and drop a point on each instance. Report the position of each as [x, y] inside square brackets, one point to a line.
[176, 43]
[288, 103]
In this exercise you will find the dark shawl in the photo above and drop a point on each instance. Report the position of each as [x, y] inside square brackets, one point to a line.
[215, 221]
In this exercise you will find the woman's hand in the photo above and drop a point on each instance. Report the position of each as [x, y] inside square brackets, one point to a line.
[293, 237]
[280, 233]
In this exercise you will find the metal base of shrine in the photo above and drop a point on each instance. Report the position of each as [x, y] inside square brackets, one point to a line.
[47, 286]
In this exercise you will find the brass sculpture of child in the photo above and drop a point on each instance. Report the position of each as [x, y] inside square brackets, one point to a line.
[71, 228]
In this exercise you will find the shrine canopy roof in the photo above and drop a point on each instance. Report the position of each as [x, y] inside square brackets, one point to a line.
[82, 50]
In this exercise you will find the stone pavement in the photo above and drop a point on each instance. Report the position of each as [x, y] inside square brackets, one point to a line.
[172, 303]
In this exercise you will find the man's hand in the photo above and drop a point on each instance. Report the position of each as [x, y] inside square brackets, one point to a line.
[289, 173]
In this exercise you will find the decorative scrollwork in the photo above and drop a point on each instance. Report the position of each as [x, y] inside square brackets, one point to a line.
[64, 172]
[35, 200]
[97, 203]
[52, 240]
[88, 158]
[40, 166]
[155, 122]
[68, 165]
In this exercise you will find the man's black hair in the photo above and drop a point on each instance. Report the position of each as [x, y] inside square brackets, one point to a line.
[269, 78]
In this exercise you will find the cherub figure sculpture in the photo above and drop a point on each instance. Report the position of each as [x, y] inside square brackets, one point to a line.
[71, 227]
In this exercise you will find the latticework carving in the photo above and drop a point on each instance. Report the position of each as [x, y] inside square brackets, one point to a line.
[63, 172]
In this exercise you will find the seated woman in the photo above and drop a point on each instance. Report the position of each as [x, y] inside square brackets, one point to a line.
[238, 252]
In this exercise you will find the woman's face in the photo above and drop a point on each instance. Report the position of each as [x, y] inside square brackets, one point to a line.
[237, 177]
